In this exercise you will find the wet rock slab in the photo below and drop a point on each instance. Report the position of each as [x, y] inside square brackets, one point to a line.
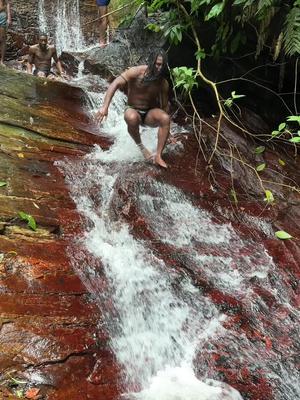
[49, 338]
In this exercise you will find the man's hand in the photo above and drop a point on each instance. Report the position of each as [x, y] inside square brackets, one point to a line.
[101, 114]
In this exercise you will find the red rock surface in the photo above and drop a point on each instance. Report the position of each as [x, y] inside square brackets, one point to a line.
[50, 338]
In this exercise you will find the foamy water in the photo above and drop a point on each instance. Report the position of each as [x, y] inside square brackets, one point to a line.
[62, 22]
[155, 331]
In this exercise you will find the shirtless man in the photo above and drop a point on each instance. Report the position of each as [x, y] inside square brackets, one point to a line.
[40, 55]
[147, 102]
[5, 20]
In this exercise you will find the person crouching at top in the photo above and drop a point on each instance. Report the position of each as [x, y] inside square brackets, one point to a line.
[147, 104]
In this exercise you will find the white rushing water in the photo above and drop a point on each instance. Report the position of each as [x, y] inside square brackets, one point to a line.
[61, 19]
[155, 332]
[159, 321]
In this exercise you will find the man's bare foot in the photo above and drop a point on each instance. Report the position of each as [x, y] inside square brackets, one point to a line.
[146, 153]
[159, 161]
[102, 45]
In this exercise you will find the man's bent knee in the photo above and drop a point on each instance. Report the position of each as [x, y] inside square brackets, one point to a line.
[132, 118]
[164, 119]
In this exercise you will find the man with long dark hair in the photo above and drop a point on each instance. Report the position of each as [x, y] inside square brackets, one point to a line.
[147, 91]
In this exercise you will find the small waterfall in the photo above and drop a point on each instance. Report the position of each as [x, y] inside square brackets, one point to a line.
[43, 26]
[61, 19]
[156, 331]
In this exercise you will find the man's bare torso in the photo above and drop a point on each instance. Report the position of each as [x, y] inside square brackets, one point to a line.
[143, 94]
[41, 59]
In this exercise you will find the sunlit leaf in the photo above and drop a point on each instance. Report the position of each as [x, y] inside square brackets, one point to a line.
[295, 139]
[282, 126]
[295, 118]
[29, 218]
[215, 11]
[281, 162]
[23, 215]
[283, 235]
[269, 197]
[260, 167]
[32, 223]
[260, 149]
[236, 96]
[275, 133]
[2, 183]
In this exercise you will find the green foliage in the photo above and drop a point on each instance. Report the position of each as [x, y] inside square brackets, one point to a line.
[291, 35]
[184, 78]
[215, 10]
[29, 219]
[286, 129]
[228, 102]
[269, 197]
[260, 167]
[283, 235]
[260, 149]
[2, 183]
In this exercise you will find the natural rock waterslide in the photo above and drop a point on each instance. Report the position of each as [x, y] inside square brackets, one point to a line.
[134, 276]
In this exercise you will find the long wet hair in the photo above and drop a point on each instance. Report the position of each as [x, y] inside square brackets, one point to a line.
[150, 74]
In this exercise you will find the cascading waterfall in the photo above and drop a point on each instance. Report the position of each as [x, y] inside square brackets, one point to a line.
[42, 16]
[62, 19]
[157, 331]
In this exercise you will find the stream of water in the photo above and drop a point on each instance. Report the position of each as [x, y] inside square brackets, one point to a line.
[61, 19]
[159, 322]
[156, 332]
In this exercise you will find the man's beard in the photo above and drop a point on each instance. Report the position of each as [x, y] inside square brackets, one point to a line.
[43, 47]
[150, 77]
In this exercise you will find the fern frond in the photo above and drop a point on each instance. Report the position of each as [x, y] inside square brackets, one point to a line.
[291, 34]
[265, 4]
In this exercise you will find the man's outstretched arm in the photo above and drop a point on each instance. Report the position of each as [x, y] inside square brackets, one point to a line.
[30, 61]
[57, 62]
[118, 83]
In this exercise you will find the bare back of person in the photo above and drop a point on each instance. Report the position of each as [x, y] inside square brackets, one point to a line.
[41, 59]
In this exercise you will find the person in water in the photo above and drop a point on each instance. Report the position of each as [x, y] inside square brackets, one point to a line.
[5, 20]
[103, 21]
[40, 56]
[147, 91]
